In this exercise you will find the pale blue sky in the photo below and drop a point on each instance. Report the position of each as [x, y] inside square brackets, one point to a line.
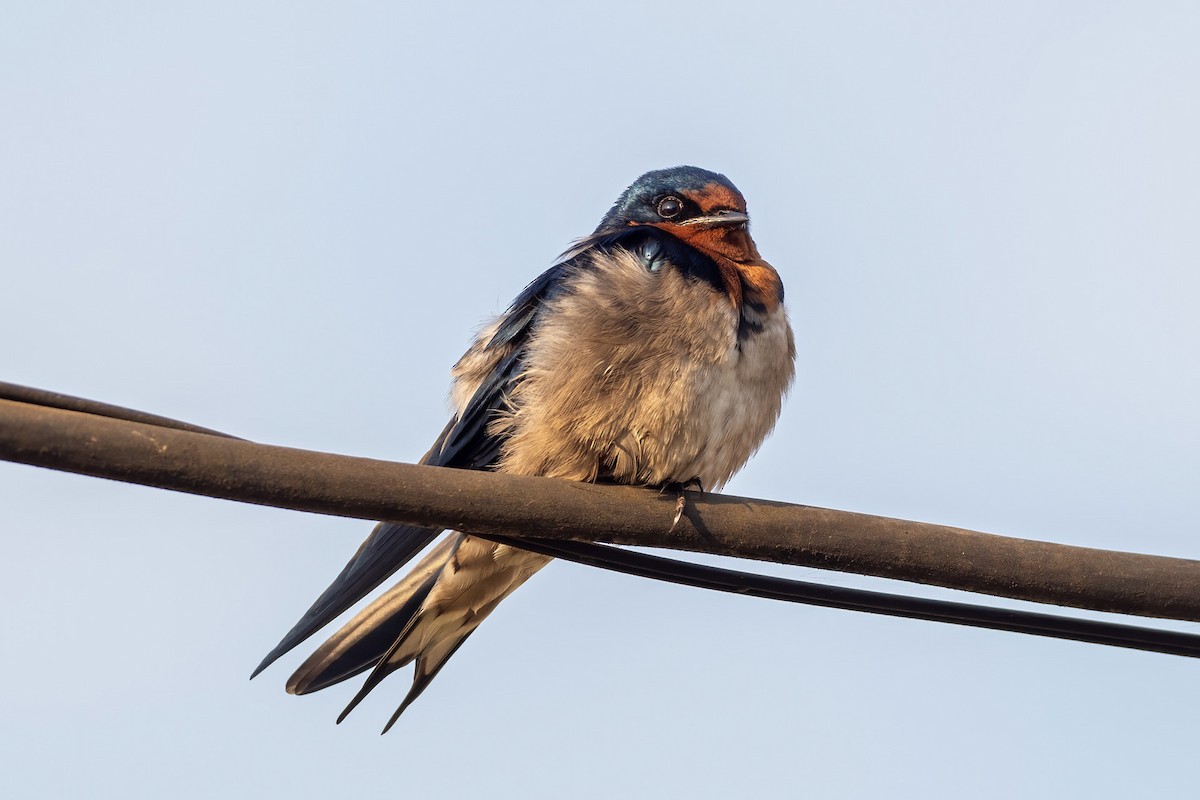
[285, 220]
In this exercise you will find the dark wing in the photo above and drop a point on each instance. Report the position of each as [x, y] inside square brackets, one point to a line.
[464, 443]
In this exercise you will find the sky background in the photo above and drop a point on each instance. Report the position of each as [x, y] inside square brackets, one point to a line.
[284, 221]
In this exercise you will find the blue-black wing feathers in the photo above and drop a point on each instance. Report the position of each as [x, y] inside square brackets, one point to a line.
[465, 443]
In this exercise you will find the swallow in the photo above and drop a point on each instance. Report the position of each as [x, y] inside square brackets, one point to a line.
[655, 352]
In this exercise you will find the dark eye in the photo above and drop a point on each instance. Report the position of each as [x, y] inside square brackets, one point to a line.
[669, 207]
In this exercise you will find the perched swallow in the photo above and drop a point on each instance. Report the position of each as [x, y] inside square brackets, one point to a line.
[654, 352]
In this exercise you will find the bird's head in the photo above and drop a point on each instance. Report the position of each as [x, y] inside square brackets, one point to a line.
[704, 211]
[694, 205]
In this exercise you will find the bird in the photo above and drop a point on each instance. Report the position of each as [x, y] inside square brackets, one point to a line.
[654, 352]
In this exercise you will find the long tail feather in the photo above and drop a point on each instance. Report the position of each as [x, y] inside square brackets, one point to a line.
[422, 678]
[363, 641]
[382, 669]
[387, 549]
[424, 618]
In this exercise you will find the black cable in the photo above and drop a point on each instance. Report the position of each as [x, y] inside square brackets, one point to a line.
[1156, 640]
[40, 397]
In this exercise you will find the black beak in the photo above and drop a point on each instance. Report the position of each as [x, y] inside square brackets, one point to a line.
[721, 219]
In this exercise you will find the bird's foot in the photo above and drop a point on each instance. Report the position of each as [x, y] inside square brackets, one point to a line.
[681, 500]
[680, 505]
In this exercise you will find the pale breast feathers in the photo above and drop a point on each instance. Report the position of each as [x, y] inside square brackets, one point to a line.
[637, 376]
